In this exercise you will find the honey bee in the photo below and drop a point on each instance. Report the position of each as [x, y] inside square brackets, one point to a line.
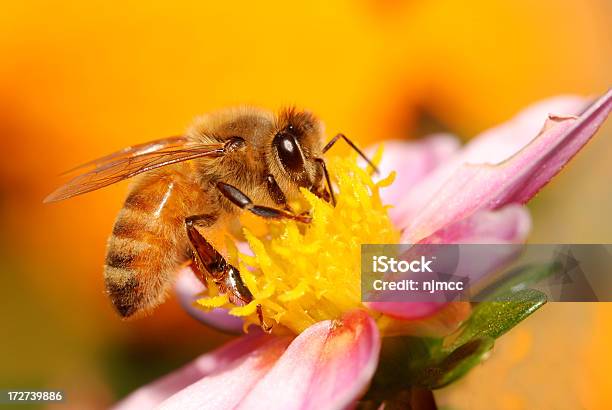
[228, 162]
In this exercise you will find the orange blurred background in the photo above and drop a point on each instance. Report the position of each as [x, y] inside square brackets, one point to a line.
[81, 80]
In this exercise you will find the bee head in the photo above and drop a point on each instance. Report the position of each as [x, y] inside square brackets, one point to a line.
[297, 149]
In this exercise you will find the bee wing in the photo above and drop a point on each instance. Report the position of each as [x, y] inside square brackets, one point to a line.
[130, 162]
[134, 150]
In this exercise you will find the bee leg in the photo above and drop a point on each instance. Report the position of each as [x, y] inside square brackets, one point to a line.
[262, 323]
[330, 192]
[226, 276]
[238, 198]
[352, 145]
[276, 193]
[203, 254]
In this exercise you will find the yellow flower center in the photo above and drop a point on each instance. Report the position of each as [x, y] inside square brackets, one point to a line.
[302, 274]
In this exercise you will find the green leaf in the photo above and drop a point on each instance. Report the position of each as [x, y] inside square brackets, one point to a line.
[494, 318]
[407, 362]
[519, 279]
[430, 363]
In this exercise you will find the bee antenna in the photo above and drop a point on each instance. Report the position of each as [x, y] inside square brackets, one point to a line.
[352, 145]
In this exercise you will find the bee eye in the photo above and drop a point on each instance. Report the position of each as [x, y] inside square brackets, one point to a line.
[289, 152]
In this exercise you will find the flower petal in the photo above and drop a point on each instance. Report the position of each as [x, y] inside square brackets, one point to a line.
[412, 161]
[406, 310]
[212, 365]
[444, 322]
[224, 388]
[492, 146]
[188, 289]
[508, 225]
[327, 366]
[449, 197]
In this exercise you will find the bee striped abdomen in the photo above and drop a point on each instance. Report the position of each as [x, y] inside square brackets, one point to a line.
[146, 248]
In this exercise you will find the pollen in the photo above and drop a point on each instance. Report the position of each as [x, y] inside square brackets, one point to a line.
[302, 274]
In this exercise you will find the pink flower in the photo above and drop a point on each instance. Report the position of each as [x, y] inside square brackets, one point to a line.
[443, 194]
